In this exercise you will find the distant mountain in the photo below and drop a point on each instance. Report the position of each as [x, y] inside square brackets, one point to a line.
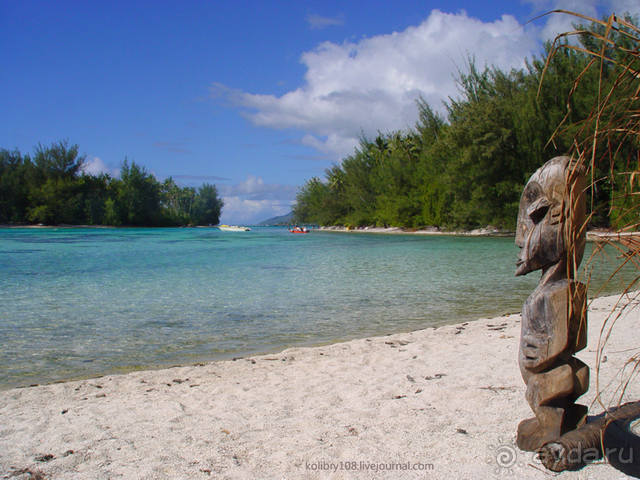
[281, 220]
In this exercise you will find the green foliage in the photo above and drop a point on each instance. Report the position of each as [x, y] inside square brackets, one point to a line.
[207, 206]
[138, 196]
[14, 192]
[52, 189]
[177, 202]
[111, 215]
[469, 170]
[59, 161]
[315, 200]
[54, 194]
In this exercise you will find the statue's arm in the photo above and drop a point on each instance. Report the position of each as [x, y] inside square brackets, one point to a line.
[545, 332]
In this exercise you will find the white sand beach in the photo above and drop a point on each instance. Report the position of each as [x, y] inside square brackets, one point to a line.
[436, 403]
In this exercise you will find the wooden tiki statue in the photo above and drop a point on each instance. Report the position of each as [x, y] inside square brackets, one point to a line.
[551, 236]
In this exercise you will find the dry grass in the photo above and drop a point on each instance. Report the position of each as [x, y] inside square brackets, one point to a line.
[606, 148]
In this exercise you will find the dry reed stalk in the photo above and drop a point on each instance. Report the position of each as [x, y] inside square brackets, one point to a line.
[614, 122]
[600, 141]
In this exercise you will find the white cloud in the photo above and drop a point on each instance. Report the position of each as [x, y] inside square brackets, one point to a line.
[252, 185]
[331, 144]
[317, 22]
[556, 23]
[95, 166]
[255, 188]
[560, 22]
[241, 211]
[623, 6]
[372, 85]
[252, 200]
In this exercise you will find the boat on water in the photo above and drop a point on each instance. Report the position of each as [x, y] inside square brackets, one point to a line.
[297, 229]
[233, 228]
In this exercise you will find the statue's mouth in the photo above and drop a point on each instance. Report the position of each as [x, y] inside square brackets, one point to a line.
[521, 267]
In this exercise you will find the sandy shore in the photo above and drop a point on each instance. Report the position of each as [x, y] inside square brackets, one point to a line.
[478, 232]
[443, 401]
[489, 231]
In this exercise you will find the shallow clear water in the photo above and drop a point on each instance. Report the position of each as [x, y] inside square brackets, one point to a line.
[82, 302]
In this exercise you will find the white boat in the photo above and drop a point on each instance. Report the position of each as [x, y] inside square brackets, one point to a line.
[233, 228]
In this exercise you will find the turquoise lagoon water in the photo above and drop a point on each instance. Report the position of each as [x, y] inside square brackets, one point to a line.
[83, 302]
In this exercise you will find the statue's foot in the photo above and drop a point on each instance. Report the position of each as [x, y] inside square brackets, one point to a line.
[531, 435]
[556, 421]
[575, 417]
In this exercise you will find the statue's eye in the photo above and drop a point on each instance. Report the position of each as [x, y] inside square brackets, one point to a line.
[532, 192]
[538, 209]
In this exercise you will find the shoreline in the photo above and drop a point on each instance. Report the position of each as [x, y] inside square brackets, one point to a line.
[447, 398]
[597, 235]
[489, 231]
[237, 356]
[65, 226]
[478, 232]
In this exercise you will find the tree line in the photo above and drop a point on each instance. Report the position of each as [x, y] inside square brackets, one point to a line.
[50, 187]
[468, 170]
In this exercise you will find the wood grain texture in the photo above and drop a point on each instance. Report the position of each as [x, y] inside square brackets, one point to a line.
[554, 323]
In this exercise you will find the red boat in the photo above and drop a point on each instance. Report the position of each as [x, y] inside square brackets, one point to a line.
[299, 230]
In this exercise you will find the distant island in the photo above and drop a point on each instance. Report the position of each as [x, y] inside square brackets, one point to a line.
[50, 187]
[286, 219]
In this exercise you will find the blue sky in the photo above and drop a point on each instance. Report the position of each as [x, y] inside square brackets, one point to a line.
[253, 96]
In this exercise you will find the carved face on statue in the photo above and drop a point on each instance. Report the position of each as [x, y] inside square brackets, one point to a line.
[543, 229]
